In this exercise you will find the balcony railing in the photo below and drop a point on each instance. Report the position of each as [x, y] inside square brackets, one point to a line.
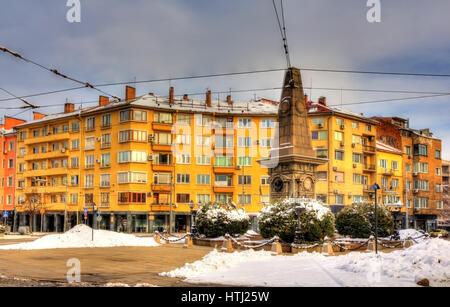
[369, 149]
[369, 167]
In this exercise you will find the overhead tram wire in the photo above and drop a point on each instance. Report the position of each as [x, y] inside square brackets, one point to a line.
[56, 72]
[391, 100]
[282, 29]
[28, 104]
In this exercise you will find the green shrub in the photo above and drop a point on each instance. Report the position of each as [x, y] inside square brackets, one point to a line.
[3, 229]
[215, 220]
[279, 219]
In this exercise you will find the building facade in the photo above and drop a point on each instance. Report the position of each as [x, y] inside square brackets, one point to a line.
[444, 218]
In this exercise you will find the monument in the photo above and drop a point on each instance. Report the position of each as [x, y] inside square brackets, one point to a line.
[294, 174]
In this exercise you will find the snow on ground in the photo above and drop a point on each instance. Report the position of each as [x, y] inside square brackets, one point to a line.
[80, 236]
[429, 259]
[415, 234]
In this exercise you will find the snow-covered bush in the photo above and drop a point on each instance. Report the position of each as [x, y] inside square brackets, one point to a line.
[3, 229]
[215, 220]
[279, 218]
[358, 221]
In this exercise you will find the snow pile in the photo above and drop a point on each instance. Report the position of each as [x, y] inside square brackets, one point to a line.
[251, 233]
[416, 235]
[80, 236]
[429, 259]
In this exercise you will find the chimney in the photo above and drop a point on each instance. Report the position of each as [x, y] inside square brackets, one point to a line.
[208, 98]
[229, 99]
[171, 99]
[37, 115]
[69, 107]
[185, 97]
[103, 101]
[130, 93]
[323, 101]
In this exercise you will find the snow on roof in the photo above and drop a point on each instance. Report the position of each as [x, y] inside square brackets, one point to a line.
[386, 147]
[320, 108]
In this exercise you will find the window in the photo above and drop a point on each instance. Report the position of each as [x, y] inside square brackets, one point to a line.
[356, 139]
[88, 199]
[89, 161]
[65, 128]
[106, 140]
[384, 182]
[105, 160]
[162, 159]
[244, 180]
[184, 119]
[368, 128]
[338, 136]
[439, 188]
[10, 181]
[131, 177]
[55, 163]
[421, 185]
[106, 120]
[268, 123]
[223, 198]
[22, 135]
[338, 176]
[358, 179]
[55, 129]
[35, 150]
[75, 144]
[383, 163]
[437, 154]
[394, 183]
[438, 171]
[89, 181]
[132, 156]
[203, 179]
[356, 157]
[22, 167]
[394, 165]
[407, 150]
[420, 202]
[183, 198]
[244, 199]
[104, 199]
[105, 180]
[224, 141]
[244, 161]
[203, 198]
[184, 178]
[203, 120]
[265, 180]
[203, 140]
[339, 155]
[421, 167]
[266, 142]
[439, 204]
[75, 126]
[420, 150]
[35, 166]
[55, 146]
[132, 136]
[74, 180]
[74, 162]
[223, 180]
[10, 163]
[224, 123]
[221, 161]
[36, 133]
[317, 120]
[90, 124]
[23, 151]
[132, 197]
[64, 163]
[319, 135]
[135, 115]
[355, 125]
[163, 138]
[21, 184]
[244, 141]
[162, 178]
[163, 118]
[183, 159]
[184, 139]
[339, 121]
[339, 199]
[203, 160]
[322, 176]
[244, 122]
[89, 143]
[322, 153]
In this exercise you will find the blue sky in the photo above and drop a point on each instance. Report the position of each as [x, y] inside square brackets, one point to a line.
[123, 40]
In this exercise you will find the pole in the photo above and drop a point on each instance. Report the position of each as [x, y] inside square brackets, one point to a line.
[376, 223]
[93, 217]
[406, 200]
[170, 206]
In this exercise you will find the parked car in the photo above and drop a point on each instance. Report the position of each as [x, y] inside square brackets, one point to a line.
[437, 232]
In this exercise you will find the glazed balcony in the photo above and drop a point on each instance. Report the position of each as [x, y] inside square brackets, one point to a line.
[48, 139]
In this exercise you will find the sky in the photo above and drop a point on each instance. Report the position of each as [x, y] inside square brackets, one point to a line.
[123, 41]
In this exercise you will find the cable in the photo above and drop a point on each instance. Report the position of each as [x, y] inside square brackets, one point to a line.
[54, 71]
[29, 105]
[390, 100]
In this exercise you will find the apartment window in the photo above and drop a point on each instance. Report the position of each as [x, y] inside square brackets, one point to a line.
[338, 136]
[223, 180]
[421, 185]
[106, 120]
[407, 150]
[339, 199]
[421, 202]
[319, 135]
[35, 150]
[223, 123]
[267, 123]
[368, 128]
[183, 178]
[89, 161]
[438, 171]
[420, 150]
[265, 180]
[339, 121]
[44, 148]
[34, 166]
[223, 198]
[74, 162]
[10, 163]
[244, 199]
[383, 163]
[203, 179]
[134, 115]
[162, 159]
[356, 139]
[132, 136]
[10, 181]
[244, 180]
[322, 176]
[439, 188]
[322, 153]
[21, 184]
[22, 167]
[224, 141]
[89, 143]
[203, 198]
[394, 183]
[89, 181]
[75, 126]
[163, 139]
[23, 151]
[184, 119]
[183, 198]
[244, 141]
[245, 161]
[184, 139]
[90, 123]
[384, 182]
[266, 142]
[163, 118]
[338, 176]
[106, 140]
[55, 146]
[132, 156]
[65, 128]
[244, 122]
[203, 120]
[88, 199]
[22, 135]
[104, 199]
[356, 157]
[355, 125]
[131, 177]
[203, 140]
[394, 165]
[421, 167]
[358, 179]
[64, 163]
[437, 154]
[76, 144]
[317, 120]
[221, 161]
[339, 155]
[36, 133]
[439, 204]
[55, 163]
[105, 180]
[183, 159]
[162, 178]
[132, 197]
[203, 160]
[74, 180]
[105, 160]
[55, 129]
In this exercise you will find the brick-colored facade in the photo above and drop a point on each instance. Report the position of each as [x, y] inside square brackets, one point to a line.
[444, 219]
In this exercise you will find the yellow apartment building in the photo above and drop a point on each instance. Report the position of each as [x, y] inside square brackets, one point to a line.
[140, 159]
[348, 140]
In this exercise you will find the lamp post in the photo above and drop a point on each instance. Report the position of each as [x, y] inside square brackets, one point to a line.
[375, 187]
[191, 206]
[299, 238]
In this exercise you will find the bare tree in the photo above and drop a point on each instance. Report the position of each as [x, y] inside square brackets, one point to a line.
[32, 205]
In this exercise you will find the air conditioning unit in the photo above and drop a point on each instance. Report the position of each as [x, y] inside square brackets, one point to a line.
[342, 127]
[150, 158]
[320, 126]
[97, 160]
[151, 138]
[371, 138]
[353, 145]
[342, 144]
[238, 167]
[416, 191]
[415, 174]
[409, 157]
[99, 139]
[336, 191]
[335, 168]
[354, 165]
[63, 150]
[149, 194]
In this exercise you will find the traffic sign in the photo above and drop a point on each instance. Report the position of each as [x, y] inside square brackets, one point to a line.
[85, 212]
[5, 214]
[99, 218]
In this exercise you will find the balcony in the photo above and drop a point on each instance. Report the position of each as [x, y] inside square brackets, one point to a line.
[369, 168]
[163, 167]
[369, 149]
[105, 145]
[48, 138]
[45, 189]
[47, 155]
[161, 187]
[46, 172]
[162, 126]
[160, 207]
[223, 189]
[224, 169]
[427, 211]
[162, 147]
[387, 172]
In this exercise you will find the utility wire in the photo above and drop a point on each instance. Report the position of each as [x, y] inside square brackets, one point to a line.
[54, 71]
[390, 100]
[282, 29]
[28, 105]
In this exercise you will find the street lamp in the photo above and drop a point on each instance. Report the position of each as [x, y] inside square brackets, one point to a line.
[191, 206]
[299, 238]
[375, 187]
